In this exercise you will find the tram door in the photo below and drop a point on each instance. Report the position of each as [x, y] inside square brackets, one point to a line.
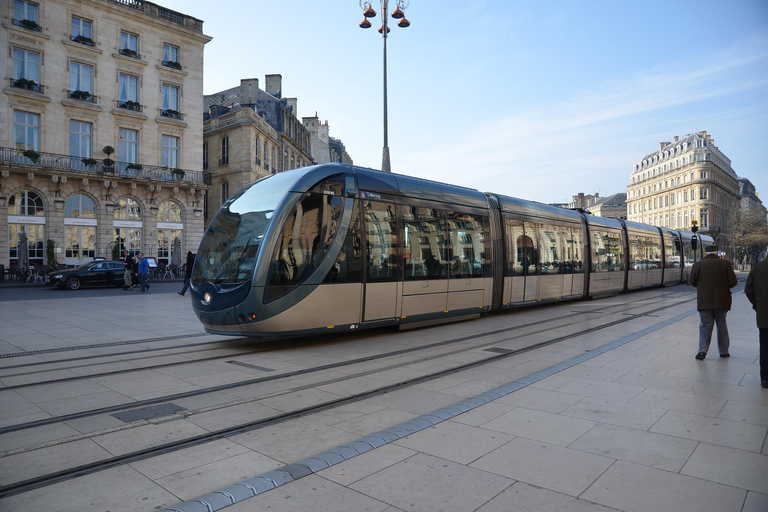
[381, 261]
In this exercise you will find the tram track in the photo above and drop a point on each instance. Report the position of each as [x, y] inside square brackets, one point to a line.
[292, 341]
[296, 373]
[67, 474]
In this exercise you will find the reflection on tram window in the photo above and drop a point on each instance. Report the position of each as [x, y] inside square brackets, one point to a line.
[644, 252]
[515, 237]
[346, 268]
[578, 251]
[608, 252]
[425, 246]
[307, 235]
[381, 241]
[467, 236]
[672, 251]
[549, 249]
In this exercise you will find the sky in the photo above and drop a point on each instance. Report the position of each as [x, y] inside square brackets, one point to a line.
[538, 100]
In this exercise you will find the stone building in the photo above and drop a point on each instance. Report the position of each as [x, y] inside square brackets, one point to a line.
[325, 149]
[614, 206]
[688, 179]
[749, 198]
[86, 77]
[250, 133]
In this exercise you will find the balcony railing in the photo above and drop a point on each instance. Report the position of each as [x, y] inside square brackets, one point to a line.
[28, 24]
[29, 85]
[82, 40]
[130, 53]
[82, 96]
[76, 164]
[172, 114]
[130, 105]
[171, 64]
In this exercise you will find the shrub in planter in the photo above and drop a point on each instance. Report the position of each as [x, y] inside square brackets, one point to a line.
[137, 167]
[90, 161]
[80, 95]
[50, 251]
[32, 155]
[129, 53]
[178, 173]
[31, 25]
[84, 40]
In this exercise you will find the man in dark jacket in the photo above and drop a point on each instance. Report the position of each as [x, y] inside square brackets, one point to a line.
[713, 279]
[756, 290]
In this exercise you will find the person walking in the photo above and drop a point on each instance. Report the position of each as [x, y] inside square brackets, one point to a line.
[187, 272]
[713, 279]
[756, 290]
[143, 272]
[128, 265]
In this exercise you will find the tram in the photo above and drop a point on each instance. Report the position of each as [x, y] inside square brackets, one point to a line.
[335, 247]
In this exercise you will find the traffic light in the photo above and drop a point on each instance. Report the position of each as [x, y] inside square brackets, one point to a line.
[694, 241]
[694, 227]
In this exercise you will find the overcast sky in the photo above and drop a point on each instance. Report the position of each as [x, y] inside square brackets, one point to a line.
[538, 100]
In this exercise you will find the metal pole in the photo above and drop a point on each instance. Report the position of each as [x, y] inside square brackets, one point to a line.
[385, 152]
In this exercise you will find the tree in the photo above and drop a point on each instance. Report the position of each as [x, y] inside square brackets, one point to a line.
[750, 234]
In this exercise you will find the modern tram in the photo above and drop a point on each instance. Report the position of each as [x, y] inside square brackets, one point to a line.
[335, 247]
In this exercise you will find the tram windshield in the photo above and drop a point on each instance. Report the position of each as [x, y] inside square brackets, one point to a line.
[231, 243]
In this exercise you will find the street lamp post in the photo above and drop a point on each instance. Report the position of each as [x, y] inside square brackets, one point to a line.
[397, 14]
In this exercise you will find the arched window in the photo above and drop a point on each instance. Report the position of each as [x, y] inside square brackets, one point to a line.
[127, 209]
[26, 202]
[169, 211]
[80, 206]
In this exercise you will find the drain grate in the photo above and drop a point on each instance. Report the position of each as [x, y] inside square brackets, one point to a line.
[499, 350]
[262, 368]
[147, 413]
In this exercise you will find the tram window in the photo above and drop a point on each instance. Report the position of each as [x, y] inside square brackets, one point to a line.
[467, 236]
[549, 248]
[426, 248]
[672, 252]
[578, 250]
[531, 257]
[381, 241]
[516, 247]
[609, 252]
[347, 268]
[567, 238]
[307, 235]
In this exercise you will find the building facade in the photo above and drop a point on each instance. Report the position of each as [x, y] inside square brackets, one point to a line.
[614, 206]
[102, 134]
[250, 133]
[686, 180]
[325, 149]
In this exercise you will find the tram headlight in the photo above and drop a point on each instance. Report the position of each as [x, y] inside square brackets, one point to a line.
[207, 297]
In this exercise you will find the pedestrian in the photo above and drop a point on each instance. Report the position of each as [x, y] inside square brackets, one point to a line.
[187, 272]
[143, 272]
[713, 279]
[756, 290]
[128, 266]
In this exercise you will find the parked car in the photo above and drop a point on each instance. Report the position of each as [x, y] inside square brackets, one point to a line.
[95, 273]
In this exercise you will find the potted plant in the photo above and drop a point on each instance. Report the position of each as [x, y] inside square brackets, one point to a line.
[23, 83]
[32, 155]
[137, 167]
[50, 251]
[130, 105]
[83, 40]
[172, 64]
[31, 25]
[178, 174]
[129, 53]
[89, 161]
[108, 162]
[169, 112]
[81, 95]
[115, 251]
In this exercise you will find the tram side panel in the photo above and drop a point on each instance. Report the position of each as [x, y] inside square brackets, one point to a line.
[607, 256]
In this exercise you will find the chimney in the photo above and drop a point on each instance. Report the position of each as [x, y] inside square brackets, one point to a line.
[292, 103]
[677, 138]
[275, 85]
[662, 144]
[249, 90]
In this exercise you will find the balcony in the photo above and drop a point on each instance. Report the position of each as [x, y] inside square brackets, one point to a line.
[28, 24]
[89, 166]
[82, 96]
[172, 114]
[28, 85]
[82, 40]
[130, 105]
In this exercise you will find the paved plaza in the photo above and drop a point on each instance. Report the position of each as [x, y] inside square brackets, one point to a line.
[623, 418]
